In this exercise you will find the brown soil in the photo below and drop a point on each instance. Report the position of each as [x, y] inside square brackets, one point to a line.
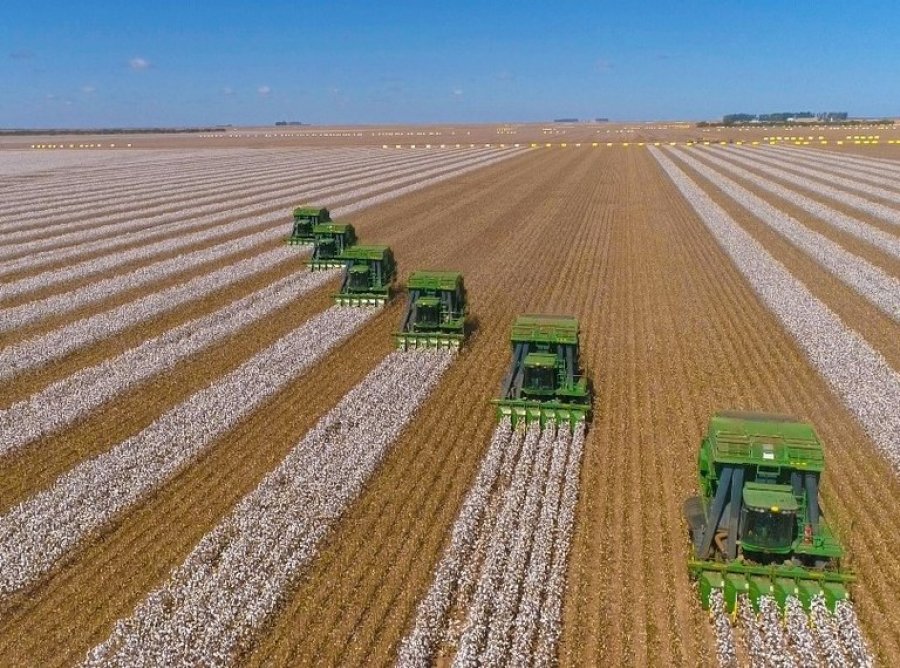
[671, 333]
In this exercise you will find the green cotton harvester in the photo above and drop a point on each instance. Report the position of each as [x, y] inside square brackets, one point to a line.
[757, 527]
[305, 218]
[436, 310]
[544, 382]
[368, 277]
[330, 241]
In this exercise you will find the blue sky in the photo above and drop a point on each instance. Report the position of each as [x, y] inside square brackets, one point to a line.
[90, 63]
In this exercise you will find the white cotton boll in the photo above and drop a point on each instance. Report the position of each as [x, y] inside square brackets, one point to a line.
[213, 605]
[869, 233]
[41, 530]
[65, 401]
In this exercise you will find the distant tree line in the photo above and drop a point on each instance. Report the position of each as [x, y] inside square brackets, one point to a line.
[282, 123]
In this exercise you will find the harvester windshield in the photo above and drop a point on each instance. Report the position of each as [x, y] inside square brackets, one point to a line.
[359, 278]
[769, 518]
[768, 531]
[428, 313]
[540, 375]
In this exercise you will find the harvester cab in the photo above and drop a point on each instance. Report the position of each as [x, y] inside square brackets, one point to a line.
[305, 218]
[368, 279]
[435, 311]
[757, 527]
[331, 239]
[544, 382]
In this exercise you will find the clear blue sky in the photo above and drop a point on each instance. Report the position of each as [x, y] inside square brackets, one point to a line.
[89, 63]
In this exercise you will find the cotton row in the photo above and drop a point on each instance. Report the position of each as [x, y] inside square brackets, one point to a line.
[40, 531]
[503, 571]
[864, 180]
[64, 402]
[87, 195]
[432, 612]
[36, 352]
[868, 280]
[795, 638]
[888, 243]
[83, 188]
[114, 229]
[874, 209]
[17, 316]
[860, 375]
[210, 609]
[839, 162]
[175, 236]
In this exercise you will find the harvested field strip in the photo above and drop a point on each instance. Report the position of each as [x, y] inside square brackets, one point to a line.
[67, 400]
[38, 533]
[869, 207]
[54, 311]
[261, 190]
[213, 605]
[872, 283]
[86, 192]
[174, 236]
[884, 241]
[108, 577]
[497, 591]
[86, 195]
[882, 184]
[867, 384]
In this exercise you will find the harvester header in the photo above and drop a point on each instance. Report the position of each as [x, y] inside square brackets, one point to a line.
[757, 527]
[436, 310]
[368, 278]
[305, 217]
[544, 382]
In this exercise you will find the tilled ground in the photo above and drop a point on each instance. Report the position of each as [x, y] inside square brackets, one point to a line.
[671, 333]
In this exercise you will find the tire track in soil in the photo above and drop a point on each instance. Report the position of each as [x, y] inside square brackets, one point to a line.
[104, 580]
